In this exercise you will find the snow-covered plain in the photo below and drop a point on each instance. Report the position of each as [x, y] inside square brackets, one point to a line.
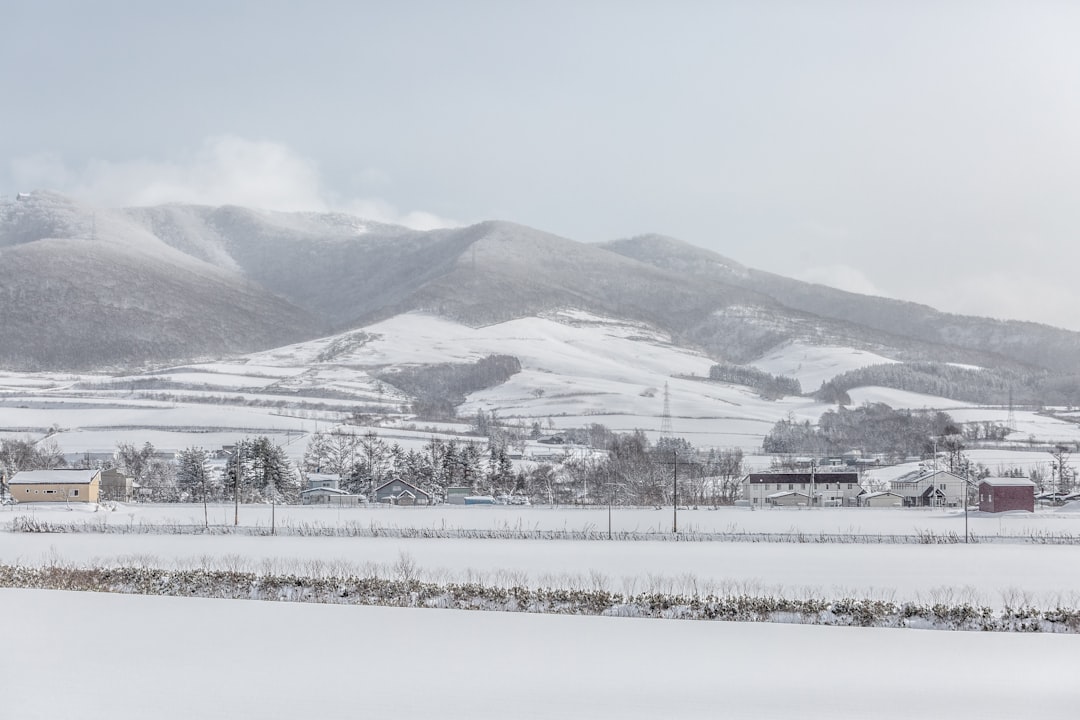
[841, 521]
[992, 575]
[182, 658]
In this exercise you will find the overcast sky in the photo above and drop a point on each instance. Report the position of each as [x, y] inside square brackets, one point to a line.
[922, 150]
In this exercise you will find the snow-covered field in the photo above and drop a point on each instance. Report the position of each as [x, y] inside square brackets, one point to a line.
[992, 575]
[114, 657]
[577, 369]
[842, 521]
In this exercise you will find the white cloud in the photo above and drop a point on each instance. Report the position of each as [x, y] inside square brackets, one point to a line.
[225, 170]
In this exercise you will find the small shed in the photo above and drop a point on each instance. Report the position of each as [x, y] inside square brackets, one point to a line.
[885, 498]
[789, 498]
[399, 492]
[455, 495]
[117, 486]
[56, 486]
[1002, 494]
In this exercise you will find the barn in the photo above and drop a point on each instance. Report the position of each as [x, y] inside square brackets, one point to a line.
[1002, 494]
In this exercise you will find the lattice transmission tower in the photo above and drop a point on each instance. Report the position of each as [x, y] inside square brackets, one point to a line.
[665, 419]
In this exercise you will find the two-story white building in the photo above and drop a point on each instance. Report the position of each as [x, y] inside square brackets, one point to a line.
[820, 489]
[930, 488]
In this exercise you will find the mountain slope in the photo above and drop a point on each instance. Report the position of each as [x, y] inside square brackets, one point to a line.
[88, 288]
[971, 339]
[82, 289]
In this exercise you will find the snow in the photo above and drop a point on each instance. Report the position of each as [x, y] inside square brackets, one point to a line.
[909, 522]
[577, 369]
[183, 658]
[812, 365]
[986, 574]
[53, 477]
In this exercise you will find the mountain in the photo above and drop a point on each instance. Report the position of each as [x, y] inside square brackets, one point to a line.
[911, 330]
[89, 288]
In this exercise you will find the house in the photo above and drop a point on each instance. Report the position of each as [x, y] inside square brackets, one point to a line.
[323, 480]
[1002, 494]
[323, 489]
[930, 488]
[826, 488]
[399, 492]
[116, 486]
[56, 486]
[885, 498]
[329, 496]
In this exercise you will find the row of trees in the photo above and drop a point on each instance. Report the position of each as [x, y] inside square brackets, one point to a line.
[366, 461]
[873, 428]
[629, 470]
[769, 386]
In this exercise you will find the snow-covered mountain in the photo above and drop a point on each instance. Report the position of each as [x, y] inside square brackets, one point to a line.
[89, 288]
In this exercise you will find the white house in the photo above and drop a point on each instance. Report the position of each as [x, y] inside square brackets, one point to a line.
[930, 488]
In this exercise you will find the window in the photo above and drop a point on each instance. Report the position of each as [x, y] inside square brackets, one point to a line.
[73, 492]
[791, 486]
[50, 492]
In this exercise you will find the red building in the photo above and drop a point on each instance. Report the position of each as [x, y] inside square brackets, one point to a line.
[1001, 494]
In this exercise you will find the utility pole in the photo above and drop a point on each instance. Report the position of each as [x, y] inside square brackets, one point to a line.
[236, 487]
[675, 493]
[813, 482]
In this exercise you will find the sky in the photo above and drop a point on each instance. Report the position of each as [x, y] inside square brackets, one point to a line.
[927, 151]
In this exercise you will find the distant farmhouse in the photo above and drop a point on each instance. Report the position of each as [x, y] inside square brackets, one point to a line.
[322, 489]
[56, 486]
[930, 488]
[399, 492]
[802, 488]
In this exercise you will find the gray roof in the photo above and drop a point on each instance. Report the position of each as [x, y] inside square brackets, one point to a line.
[324, 490]
[1007, 482]
[53, 477]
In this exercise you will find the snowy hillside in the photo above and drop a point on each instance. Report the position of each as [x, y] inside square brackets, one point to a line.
[577, 368]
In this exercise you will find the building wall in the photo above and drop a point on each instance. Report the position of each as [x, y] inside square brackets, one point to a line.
[884, 501]
[829, 492]
[1003, 498]
[789, 500]
[396, 488]
[116, 486]
[56, 492]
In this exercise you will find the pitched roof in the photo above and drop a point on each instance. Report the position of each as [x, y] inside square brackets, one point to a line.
[54, 477]
[406, 484]
[324, 490]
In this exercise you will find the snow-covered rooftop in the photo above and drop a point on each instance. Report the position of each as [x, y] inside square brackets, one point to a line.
[54, 477]
[1007, 482]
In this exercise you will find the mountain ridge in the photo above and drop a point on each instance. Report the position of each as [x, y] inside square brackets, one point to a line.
[231, 279]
